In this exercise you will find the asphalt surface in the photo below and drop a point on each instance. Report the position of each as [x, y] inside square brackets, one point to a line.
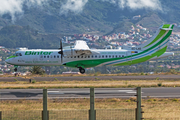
[14, 94]
[85, 78]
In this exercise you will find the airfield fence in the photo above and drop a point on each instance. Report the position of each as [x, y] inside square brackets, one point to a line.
[161, 115]
[102, 114]
[98, 114]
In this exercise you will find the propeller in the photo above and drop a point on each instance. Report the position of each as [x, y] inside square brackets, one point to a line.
[61, 52]
[71, 51]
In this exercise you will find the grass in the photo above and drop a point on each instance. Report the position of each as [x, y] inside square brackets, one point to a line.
[88, 84]
[171, 72]
[153, 107]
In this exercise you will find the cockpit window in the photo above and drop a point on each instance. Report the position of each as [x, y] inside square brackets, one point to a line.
[18, 54]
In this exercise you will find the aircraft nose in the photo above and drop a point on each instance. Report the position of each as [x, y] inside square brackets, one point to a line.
[7, 60]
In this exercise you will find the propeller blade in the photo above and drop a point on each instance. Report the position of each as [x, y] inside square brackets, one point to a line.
[60, 44]
[61, 52]
[61, 58]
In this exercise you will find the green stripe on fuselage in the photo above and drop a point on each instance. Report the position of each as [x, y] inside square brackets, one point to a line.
[143, 59]
[11, 57]
[95, 62]
[161, 33]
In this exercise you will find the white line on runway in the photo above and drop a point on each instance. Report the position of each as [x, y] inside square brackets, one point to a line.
[133, 92]
[52, 91]
[125, 90]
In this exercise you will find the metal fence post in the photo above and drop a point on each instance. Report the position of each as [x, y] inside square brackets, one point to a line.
[92, 112]
[138, 109]
[0, 115]
[45, 112]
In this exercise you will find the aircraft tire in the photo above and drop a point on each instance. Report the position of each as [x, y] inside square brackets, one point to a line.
[15, 69]
[82, 70]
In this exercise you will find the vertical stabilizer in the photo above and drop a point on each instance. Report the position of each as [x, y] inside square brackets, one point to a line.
[161, 36]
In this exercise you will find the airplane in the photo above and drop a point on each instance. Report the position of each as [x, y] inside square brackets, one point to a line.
[81, 56]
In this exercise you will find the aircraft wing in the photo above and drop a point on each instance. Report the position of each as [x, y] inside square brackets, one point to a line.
[80, 48]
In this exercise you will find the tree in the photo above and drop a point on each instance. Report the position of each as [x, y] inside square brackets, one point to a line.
[37, 70]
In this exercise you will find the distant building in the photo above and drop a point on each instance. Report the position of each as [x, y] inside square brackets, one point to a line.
[2, 47]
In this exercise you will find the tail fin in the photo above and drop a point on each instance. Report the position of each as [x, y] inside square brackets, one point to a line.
[159, 39]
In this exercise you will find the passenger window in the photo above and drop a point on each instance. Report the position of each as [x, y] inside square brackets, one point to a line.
[51, 56]
[74, 56]
[44, 56]
[119, 56]
[81, 56]
[71, 57]
[78, 56]
[113, 56]
[88, 56]
[85, 56]
[96, 56]
[106, 56]
[122, 55]
[99, 56]
[103, 56]
[57, 56]
[116, 56]
[92, 56]
[54, 56]
[48, 56]
[109, 56]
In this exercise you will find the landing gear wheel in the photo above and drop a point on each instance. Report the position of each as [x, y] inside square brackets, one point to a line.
[82, 70]
[15, 69]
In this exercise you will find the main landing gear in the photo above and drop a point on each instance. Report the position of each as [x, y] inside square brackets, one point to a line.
[81, 70]
[15, 69]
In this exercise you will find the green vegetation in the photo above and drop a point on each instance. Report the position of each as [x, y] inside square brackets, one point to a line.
[37, 70]
[34, 81]
[159, 84]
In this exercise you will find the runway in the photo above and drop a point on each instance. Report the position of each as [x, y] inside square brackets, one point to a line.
[96, 78]
[15, 94]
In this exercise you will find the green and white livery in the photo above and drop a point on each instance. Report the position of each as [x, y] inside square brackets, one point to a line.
[81, 56]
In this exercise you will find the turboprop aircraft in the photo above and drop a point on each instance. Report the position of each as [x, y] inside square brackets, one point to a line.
[81, 56]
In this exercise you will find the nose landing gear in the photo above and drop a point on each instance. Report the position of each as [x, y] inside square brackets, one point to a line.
[81, 70]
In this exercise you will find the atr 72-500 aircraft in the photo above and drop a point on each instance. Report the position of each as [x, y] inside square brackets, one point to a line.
[82, 57]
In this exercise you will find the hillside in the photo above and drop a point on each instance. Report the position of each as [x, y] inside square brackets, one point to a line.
[41, 27]
[96, 16]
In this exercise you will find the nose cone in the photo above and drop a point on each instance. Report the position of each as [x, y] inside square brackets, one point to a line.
[7, 60]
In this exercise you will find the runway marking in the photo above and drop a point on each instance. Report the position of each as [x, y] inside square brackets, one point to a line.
[125, 90]
[128, 91]
[133, 92]
[52, 91]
